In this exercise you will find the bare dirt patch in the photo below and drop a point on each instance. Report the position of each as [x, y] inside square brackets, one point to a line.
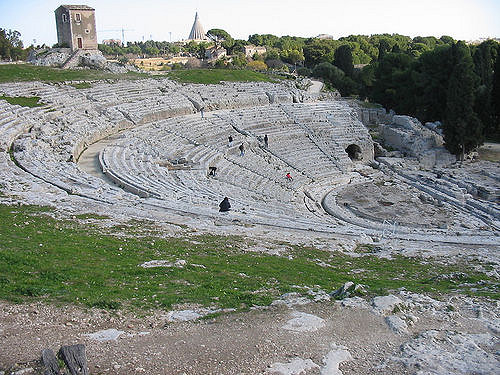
[388, 200]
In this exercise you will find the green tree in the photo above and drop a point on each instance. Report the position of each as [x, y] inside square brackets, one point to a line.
[462, 128]
[495, 100]
[292, 56]
[383, 47]
[335, 77]
[11, 46]
[257, 65]
[484, 57]
[267, 40]
[318, 51]
[152, 51]
[343, 59]
[220, 38]
[392, 83]
[430, 80]
[239, 60]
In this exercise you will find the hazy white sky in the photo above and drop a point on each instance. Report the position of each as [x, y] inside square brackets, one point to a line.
[156, 19]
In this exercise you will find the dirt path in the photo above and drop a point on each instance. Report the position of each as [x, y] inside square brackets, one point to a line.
[287, 338]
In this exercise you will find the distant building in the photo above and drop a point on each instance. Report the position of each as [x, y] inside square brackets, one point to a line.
[197, 33]
[110, 42]
[325, 36]
[251, 50]
[76, 27]
[213, 53]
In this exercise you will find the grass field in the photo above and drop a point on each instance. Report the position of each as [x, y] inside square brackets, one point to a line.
[214, 76]
[23, 101]
[28, 72]
[68, 262]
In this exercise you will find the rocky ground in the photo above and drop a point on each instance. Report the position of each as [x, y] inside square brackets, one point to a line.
[396, 334]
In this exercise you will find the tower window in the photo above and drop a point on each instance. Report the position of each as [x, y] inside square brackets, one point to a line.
[64, 18]
[87, 31]
[78, 17]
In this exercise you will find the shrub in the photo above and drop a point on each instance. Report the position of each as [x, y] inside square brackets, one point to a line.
[257, 65]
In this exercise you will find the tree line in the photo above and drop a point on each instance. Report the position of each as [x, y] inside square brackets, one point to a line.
[11, 46]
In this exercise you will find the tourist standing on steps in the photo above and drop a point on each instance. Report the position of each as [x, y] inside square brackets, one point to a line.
[242, 150]
[266, 140]
[289, 176]
[230, 141]
[202, 111]
[224, 206]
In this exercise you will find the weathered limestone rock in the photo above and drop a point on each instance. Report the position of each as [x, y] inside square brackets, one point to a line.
[49, 57]
[396, 324]
[386, 304]
[94, 60]
[407, 135]
[349, 289]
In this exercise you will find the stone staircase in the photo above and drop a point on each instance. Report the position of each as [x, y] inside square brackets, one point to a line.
[73, 60]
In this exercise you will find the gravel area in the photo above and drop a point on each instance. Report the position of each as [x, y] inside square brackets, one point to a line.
[326, 338]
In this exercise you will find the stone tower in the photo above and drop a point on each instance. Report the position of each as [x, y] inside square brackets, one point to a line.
[197, 32]
[76, 27]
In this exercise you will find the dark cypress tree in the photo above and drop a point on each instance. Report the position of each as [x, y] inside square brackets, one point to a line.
[484, 59]
[383, 48]
[343, 59]
[461, 127]
[495, 101]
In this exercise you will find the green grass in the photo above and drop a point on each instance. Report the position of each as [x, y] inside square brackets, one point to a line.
[27, 72]
[23, 101]
[56, 261]
[214, 76]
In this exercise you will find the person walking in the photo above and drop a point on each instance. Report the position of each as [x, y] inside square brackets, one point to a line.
[242, 150]
[230, 141]
[224, 206]
[202, 112]
[289, 177]
[266, 141]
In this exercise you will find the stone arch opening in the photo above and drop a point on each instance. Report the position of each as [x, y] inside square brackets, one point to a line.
[354, 152]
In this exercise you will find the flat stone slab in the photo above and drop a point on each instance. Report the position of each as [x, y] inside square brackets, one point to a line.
[333, 358]
[106, 335]
[385, 304]
[303, 322]
[446, 352]
[295, 367]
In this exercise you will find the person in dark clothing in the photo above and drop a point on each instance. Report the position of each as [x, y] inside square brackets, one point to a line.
[202, 112]
[224, 206]
[230, 140]
[211, 171]
[266, 140]
[242, 150]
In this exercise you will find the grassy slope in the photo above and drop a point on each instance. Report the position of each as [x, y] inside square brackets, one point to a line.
[60, 261]
[27, 72]
[213, 76]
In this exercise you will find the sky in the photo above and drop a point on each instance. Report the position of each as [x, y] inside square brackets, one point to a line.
[171, 20]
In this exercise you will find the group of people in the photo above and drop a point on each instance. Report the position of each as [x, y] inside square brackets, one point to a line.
[224, 205]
